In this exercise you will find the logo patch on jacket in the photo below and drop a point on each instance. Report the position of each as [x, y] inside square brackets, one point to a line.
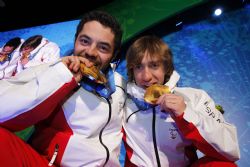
[173, 132]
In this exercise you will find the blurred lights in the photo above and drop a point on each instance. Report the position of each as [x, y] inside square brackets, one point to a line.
[178, 24]
[217, 12]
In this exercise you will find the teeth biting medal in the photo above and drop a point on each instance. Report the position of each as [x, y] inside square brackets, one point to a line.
[154, 92]
[93, 73]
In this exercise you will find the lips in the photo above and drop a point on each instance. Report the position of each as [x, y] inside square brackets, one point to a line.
[95, 61]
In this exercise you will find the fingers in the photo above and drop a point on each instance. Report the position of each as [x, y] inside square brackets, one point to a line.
[72, 62]
[78, 76]
[86, 62]
[168, 98]
[172, 103]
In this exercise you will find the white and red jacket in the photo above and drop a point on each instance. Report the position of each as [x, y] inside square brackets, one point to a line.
[153, 137]
[85, 129]
[45, 52]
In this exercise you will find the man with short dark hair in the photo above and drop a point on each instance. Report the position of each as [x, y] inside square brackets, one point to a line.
[77, 119]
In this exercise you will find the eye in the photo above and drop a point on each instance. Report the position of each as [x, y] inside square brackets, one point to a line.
[85, 41]
[138, 67]
[155, 65]
[104, 48]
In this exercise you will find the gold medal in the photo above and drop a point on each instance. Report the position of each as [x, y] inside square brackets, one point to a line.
[154, 92]
[3, 58]
[93, 73]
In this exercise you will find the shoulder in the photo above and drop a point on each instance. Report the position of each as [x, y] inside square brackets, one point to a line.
[119, 80]
[49, 44]
[189, 90]
[52, 44]
[191, 93]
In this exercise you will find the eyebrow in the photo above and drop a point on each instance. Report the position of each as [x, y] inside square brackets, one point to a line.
[106, 44]
[155, 61]
[84, 36]
[99, 42]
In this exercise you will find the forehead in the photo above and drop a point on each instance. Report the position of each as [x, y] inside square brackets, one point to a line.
[97, 32]
[150, 58]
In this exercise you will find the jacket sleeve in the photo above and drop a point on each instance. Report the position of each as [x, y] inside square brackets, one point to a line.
[33, 94]
[205, 126]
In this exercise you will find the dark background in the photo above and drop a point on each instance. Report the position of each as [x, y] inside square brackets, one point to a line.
[16, 14]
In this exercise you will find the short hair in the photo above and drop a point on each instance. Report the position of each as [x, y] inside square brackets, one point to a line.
[106, 20]
[14, 42]
[154, 46]
[32, 41]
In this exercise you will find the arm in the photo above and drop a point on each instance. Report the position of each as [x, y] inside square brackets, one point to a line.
[10, 70]
[3, 66]
[32, 95]
[205, 126]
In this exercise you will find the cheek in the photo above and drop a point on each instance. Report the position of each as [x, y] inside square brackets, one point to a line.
[159, 75]
[137, 77]
[24, 52]
[105, 58]
[161, 78]
[78, 49]
[77, 46]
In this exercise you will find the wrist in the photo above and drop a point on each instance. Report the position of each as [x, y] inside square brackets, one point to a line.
[178, 114]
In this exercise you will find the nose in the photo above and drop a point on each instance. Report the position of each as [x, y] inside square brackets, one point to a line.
[92, 52]
[146, 75]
